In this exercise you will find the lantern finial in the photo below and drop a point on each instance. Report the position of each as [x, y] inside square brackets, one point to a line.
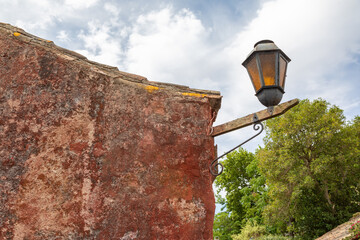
[262, 41]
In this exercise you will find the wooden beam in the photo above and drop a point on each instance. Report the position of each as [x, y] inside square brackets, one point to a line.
[249, 119]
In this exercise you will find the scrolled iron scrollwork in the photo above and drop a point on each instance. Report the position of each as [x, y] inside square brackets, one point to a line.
[258, 126]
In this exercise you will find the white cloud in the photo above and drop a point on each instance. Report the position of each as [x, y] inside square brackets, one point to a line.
[101, 45]
[171, 46]
[78, 4]
[111, 8]
[35, 15]
[63, 36]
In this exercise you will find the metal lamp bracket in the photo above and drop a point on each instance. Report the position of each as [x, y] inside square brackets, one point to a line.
[258, 126]
[255, 119]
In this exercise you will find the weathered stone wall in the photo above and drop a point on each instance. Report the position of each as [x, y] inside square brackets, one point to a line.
[88, 152]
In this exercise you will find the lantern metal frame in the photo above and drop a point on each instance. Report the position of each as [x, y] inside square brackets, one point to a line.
[268, 95]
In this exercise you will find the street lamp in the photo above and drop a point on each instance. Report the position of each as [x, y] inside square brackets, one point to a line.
[267, 66]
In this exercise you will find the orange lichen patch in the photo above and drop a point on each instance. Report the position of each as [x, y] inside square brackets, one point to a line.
[16, 34]
[194, 94]
[151, 89]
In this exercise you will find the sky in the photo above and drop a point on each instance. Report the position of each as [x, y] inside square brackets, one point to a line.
[202, 44]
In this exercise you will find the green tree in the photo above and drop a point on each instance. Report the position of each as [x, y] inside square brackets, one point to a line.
[245, 192]
[223, 226]
[311, 164]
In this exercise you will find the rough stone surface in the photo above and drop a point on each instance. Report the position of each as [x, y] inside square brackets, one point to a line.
[341, 231]
[89, 152]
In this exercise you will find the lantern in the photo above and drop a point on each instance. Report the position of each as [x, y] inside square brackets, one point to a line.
[266, 66]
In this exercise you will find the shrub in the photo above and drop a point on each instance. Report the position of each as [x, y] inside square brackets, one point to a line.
[250, 231]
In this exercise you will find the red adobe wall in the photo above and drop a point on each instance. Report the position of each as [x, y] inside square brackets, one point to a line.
[88, 152]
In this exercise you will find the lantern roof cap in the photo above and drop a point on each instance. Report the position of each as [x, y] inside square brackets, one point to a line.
[265, 46]
[263, 42]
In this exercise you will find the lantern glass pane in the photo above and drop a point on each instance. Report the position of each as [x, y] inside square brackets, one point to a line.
[254, 73]
[282, 70]
[267, 61]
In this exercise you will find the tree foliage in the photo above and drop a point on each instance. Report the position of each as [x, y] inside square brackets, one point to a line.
[311, 163]
[223, 226]
[246, 193]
